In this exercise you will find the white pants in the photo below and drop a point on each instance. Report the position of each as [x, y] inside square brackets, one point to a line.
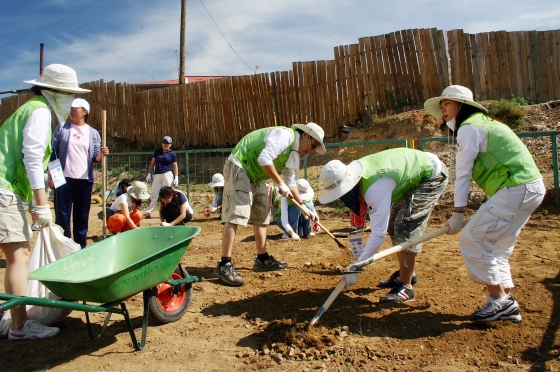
[159, 180]
[487, 240]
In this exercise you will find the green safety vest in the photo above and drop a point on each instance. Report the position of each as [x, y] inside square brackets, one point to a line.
[407, 167]
[506, 162]
[13, 175]
[247, 152]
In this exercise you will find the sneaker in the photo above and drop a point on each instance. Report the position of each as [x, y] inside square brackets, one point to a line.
[311, 234]
[285, 236]
[399, 293]
[394, 280]
[32, 330]
[35, 227]
[494, 309]
[228, 274]
[270, 264]
[147, 215]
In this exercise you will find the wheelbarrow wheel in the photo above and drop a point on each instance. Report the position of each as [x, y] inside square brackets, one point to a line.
[167, 304]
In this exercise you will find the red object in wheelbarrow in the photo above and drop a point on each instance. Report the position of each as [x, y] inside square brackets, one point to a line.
[115, 269]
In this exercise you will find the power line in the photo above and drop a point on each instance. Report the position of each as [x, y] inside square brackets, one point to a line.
[52, 24]
[254, 71]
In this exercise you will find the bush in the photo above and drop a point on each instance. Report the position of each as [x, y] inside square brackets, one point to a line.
[508, 111]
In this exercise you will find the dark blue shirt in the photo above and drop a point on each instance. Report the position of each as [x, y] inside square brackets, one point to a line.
[164, 161]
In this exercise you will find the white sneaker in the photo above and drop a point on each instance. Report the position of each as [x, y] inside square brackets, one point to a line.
[285, 236]
[33, 330]
[311, 234]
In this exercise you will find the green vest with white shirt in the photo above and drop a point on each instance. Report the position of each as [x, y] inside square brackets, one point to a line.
[13, 175]
[248, 149]
[407, 167]
[506, 162]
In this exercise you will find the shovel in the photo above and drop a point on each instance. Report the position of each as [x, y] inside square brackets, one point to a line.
[375, 257]
[340, 245]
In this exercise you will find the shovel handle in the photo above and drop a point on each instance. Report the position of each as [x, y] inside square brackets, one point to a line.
[318, 223]
[330, 300]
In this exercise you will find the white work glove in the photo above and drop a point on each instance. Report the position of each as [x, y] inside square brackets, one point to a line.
[149, 177]
[44, 215]
[296, 237]
[212, 209]
[455, 223]
[284, 190]
[176, 181]
[308, 214]
[163, 223]
[351, 279]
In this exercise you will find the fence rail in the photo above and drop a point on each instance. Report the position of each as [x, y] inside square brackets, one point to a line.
[376, 76]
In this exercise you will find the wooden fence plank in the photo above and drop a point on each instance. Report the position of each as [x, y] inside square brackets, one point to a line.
[421, 62]
[440, 59]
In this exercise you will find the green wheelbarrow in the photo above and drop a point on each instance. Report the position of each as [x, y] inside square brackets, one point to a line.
[103, 276]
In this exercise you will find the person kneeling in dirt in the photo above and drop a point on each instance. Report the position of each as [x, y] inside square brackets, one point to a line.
[174, 208]
[217, 186]
[125, 209]
[261, 154]
[410, 179]
[289, 216]
[494, 157]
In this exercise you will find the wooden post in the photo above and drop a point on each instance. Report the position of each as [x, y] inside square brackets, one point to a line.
[104, 171]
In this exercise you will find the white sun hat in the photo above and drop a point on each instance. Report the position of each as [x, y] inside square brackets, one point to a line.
[314, 131]
[58, 77]
[338, 179]
[305, 190]
[80, 102]
[455, 93]
[139, 191]
[217, 180]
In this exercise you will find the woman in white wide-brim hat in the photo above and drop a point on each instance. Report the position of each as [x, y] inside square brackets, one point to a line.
[397, 188]
[492, 155]
[24, 151]
[289, 217]
[217, 186]
[259, 155]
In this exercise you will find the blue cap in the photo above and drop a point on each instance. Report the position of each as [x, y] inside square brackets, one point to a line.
[168, 139]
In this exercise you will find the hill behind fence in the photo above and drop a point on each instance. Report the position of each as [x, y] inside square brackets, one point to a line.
[377, 76]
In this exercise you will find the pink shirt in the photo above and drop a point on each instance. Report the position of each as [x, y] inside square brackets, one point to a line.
[78, 152]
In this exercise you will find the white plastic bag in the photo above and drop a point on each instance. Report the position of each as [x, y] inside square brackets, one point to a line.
[51, 245]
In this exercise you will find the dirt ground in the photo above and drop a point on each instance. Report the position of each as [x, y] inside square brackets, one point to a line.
[264, 324]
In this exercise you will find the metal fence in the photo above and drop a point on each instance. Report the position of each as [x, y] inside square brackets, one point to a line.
[196, 167]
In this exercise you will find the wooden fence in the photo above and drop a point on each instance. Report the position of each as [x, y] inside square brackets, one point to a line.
[374, 77]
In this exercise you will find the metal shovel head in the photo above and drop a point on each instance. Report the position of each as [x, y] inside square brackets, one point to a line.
[336, 272]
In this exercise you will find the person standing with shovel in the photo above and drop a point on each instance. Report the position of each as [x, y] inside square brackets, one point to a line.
[259, 155]
[398, 188]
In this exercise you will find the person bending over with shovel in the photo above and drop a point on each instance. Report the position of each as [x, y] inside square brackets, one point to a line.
[259, 155]
[412, 181]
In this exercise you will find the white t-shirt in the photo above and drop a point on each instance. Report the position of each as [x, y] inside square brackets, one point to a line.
[123, 199]
[471, 140]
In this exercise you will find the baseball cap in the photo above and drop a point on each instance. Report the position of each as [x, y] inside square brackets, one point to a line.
[80, 102]
[168, 139]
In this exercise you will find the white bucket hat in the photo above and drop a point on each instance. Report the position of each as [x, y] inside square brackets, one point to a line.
[338, 179]
[217, 180]
[58, 77]
[314, 131]
[455, 93]
[139, 191]
[305, 190]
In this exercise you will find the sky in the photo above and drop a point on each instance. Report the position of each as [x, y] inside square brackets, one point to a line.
[138, 40]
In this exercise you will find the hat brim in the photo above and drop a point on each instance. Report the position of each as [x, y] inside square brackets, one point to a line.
[50, 86]
[216, 184]
[321, 147]
[432, 105]
[309, 195]
[141, 196]
[354, 172]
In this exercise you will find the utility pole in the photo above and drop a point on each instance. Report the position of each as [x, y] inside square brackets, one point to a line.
[182, 41]
[41, 59]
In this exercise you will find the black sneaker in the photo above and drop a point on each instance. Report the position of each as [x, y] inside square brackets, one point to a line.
[399, 293]
[270, 264]
[493, 309]
[228, 274]
[394, 280]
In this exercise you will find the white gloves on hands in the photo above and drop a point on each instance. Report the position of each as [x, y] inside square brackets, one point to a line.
[284, 190]
[44, 215]
[176, 181]
[308, 214]
[296, 237]
[351, 279]
[163, 223]
[149, 177]
[455, 223]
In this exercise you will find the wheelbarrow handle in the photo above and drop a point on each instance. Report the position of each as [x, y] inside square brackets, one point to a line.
[318, 223]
